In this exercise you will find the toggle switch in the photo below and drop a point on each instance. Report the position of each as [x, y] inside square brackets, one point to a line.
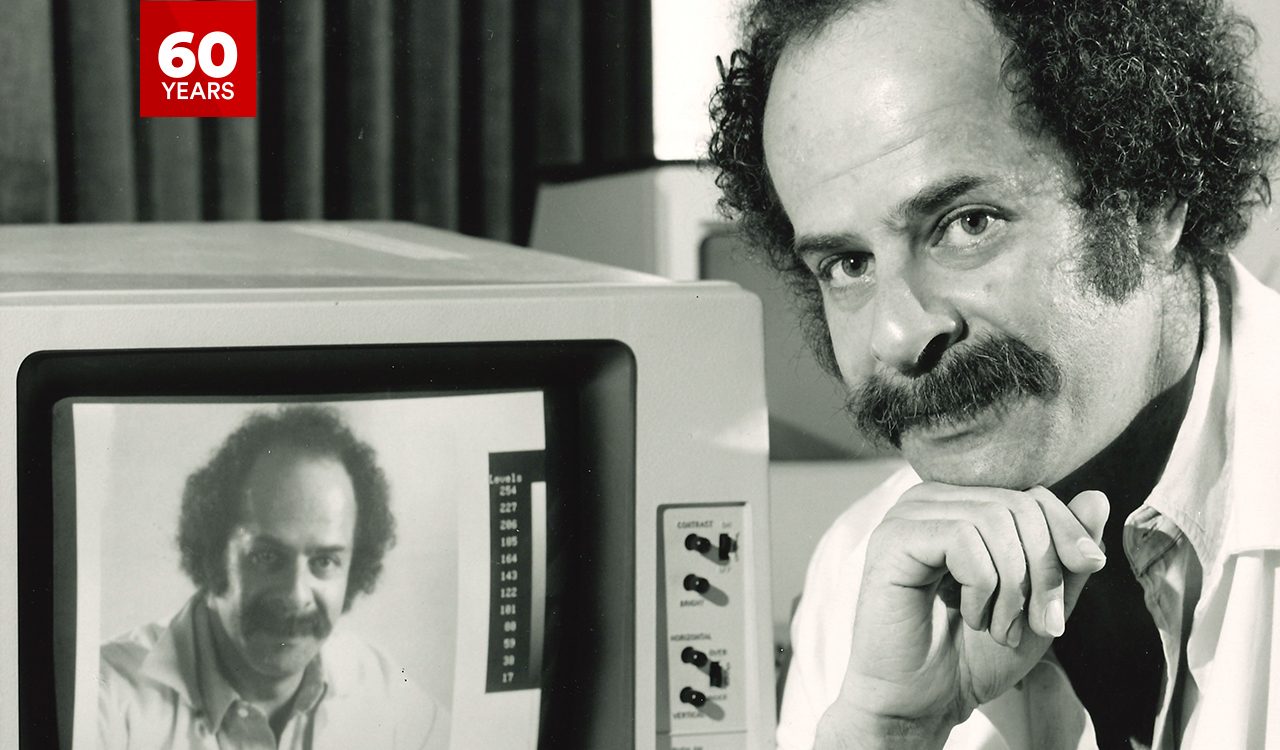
[727, 545]
[693, 697]
[696, 583]
[716, 673]
[693, 656]
[696, 543]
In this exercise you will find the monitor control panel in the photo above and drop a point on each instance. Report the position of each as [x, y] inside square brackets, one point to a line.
[703, 585]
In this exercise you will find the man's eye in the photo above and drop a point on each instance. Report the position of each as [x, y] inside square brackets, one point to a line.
[844, 270]
[264, 558]
[969, 227]
[325, 564]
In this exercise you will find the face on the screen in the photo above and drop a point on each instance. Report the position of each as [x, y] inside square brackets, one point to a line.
[287, 563]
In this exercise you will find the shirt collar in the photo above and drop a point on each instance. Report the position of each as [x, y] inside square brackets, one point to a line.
[1253, 522]
[1220, 485]
[1190, 492]
[171, 661]
[216, 693]
[185, 660]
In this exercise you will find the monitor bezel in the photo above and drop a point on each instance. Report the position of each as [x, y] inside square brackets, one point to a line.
[589, 389]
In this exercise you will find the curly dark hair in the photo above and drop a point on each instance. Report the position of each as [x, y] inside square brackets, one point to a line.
[211, 499]
[1148, 99]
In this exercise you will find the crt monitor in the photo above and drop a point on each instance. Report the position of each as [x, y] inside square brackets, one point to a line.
[574, 457]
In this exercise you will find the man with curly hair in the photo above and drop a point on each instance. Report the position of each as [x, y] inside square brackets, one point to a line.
[280, 531]
[1009, 222]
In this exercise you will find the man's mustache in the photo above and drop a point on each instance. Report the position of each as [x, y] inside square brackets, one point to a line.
[278, 619]
[967, 380]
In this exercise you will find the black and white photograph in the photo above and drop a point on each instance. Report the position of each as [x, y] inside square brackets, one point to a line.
[671, 374]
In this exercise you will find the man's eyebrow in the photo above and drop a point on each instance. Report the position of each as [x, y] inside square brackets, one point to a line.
[933, 198]
[271, 541]
[328, 549]
[825, 244]
[266, 540]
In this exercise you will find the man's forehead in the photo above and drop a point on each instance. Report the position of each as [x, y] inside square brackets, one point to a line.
[253, 535]
[945, 36]
[878, 81]
[288, 487]
[849, 146]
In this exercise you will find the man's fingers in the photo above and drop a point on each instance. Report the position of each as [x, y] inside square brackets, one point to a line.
[993, 519]
[971, 566]
[1046, 611]
[1075, 537]
[1000, 534]
[916, 554]
[1036, 552]
[1092, 509]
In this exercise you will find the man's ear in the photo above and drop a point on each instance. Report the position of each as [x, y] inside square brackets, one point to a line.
[1162, 232]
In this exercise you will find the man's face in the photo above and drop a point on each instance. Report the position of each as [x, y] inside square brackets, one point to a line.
[287, 562]
[945, 241]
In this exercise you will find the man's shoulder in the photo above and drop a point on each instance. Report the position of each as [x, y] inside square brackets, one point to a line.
[373, 689]
[852, 527]
[1251, 296]
[123, 656]
[353, 662]
[1252, 523]
[139, 677]
[821, 627]
[835, 568]
[355, 667]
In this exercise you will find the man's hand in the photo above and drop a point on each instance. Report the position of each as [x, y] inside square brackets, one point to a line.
[964, 589]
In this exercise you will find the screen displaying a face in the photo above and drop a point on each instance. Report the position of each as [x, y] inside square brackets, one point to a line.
[254, 527]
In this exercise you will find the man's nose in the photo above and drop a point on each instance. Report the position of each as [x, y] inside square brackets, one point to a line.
[912, 326]
[298, 586]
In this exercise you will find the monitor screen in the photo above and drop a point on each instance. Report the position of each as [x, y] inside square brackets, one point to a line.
[486, 453]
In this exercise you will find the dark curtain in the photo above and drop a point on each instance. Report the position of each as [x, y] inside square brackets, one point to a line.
[441, 112]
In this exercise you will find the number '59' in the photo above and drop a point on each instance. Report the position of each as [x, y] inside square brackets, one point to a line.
[177, 61]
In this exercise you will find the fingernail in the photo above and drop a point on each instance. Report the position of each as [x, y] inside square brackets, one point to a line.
[1090, 550]
[1055, 620]
[1014, 636]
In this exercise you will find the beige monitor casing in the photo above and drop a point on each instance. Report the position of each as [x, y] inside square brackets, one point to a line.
[701, 436]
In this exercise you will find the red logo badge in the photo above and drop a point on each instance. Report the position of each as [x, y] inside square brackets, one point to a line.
[198, 58]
